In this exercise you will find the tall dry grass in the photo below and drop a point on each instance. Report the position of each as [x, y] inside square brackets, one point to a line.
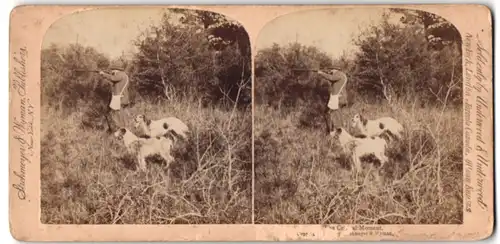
[88, 178]
[301, 176]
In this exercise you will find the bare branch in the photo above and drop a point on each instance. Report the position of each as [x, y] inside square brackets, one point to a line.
[385, 87]
[166, 90]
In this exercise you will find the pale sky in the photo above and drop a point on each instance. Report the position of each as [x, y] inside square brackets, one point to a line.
[329, 30]
[110, 31]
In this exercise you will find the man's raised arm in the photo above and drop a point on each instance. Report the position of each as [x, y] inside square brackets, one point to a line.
[114, 78]
[332, 78]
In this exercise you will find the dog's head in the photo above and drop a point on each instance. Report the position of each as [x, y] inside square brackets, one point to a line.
[336, 132]
[358, 119]
[343, 137]
[141, 118]
[120, 133]
[340, 134]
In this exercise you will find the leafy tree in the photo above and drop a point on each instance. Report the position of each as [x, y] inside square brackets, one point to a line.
[438, 31]
[204, 55]
[279, 86]
[63, 84]
[402, 61]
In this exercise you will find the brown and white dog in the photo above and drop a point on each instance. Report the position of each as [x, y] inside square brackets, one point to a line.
[358, 147]
[144, 147]
[378, 126]
[154, 128]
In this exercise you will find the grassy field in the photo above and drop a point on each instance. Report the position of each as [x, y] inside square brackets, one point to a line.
[88, 178]
[302, 178]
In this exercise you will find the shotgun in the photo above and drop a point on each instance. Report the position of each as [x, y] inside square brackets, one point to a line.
[88, 70]
[315, 70]
[306, 70]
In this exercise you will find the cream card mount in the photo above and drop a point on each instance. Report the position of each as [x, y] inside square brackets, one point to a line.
[223, 129]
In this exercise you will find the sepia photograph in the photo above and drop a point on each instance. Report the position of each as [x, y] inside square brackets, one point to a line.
[276, 123]
[358, 118]
[146, 118]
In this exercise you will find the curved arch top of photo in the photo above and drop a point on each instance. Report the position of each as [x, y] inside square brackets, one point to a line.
[358, 118]
[146, 118]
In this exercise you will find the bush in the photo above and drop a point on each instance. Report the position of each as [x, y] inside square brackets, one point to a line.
[64, 86]
[402, 62]
[205, 56]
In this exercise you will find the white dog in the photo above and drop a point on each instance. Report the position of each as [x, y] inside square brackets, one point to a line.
[359, 147]
[144, 147]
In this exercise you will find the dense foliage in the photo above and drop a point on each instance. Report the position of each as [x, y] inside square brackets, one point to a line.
[195, 54]
[416, 59]
[64, 86]
[205, 55]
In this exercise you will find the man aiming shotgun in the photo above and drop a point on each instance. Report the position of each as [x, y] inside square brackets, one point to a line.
[338, 97]
[119, 96]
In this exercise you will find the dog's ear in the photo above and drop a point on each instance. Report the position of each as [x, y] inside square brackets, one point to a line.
[121, 133]
[363, 119]
[338, 130]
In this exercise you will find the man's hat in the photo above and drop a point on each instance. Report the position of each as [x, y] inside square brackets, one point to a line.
[117, 65]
